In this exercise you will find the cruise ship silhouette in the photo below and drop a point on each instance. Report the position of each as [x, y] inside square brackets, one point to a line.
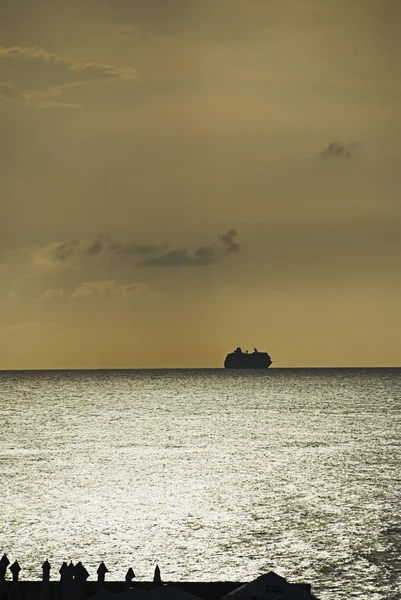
[244, 360]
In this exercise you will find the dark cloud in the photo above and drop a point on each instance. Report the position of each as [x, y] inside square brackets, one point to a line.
[73, 248]
[101, 244]
[62, 252]
[153, 255]
[204, 255]
[230, 240]
[97, 246]
[172, 258]
[337, 150]
[135, 248]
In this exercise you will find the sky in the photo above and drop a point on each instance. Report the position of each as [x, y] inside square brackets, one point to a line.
[181, 178]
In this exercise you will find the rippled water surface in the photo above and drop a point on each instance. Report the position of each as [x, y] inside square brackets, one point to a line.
[213, 474]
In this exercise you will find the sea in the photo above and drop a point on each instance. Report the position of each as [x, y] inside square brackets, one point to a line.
[211, 474]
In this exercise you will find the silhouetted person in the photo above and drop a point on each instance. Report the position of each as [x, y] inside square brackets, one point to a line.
[66, 581]
[45, 587]
[4, 562]
[157, 580]
[101, 572]
[80, 577]
[128, 579]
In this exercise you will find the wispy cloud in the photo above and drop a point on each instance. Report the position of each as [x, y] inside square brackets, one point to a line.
[55, 254]
[37, 77]
[93, 69]
[52, 293]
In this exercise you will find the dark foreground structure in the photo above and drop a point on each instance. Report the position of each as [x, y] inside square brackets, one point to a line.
[243, 360]
[73, 585]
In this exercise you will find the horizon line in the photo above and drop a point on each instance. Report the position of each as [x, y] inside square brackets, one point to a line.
[191, 368]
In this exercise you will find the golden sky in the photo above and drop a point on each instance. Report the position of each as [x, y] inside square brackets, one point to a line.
[180, 177]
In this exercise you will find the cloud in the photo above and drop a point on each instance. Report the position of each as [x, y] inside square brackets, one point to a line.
[56, 253]
[51, 293]
[206, 253]
[203, 256]
[68, 252]
[110, 288]
[64, 251]
[337, 150]
[34, 76]
[181, 258]
[74, 65]
[135, 248]
[97, 246]
[71, 252]
[230, 240]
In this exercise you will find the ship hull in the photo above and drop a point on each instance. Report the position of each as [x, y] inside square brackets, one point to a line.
[239, 367]
[247, 361]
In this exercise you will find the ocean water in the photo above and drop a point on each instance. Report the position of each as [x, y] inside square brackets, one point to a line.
[212, 474]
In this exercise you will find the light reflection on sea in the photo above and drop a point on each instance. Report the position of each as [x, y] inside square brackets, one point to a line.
[212, 474]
